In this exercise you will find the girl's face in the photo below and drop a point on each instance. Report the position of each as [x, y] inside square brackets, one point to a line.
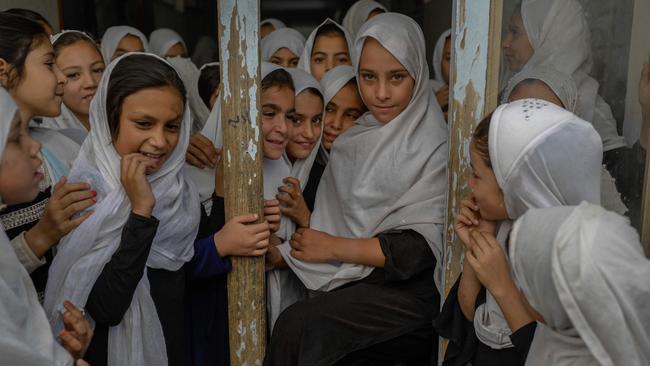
[385, 85]
[40, 89]
[176, 50]
[535, 89]
[19, 168]
[340, 114]
[516, 45]
[285, 58]
[150, 124]
[485, 189]
[277, 111]
[306, 125]
[446, 60]
[83, 66]
[128, 43]
[327, 53]
[266, 29]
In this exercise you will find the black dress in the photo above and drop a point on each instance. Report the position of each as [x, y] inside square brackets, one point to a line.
[315, 174]
[384, 318]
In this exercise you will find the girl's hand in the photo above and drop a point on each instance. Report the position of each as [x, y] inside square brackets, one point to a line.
[201, 152]
[67, 200]
[272, 214]
[644, 87]
[489, 262]
[442, 96]
[469, 218]
[312, 246]
[241, 236]
[274, 259]
[293, 203]
[77, 332]
[134, 179]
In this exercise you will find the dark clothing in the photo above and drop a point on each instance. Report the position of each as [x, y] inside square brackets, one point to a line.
[315, 174]
[387, 315]
[464, 347]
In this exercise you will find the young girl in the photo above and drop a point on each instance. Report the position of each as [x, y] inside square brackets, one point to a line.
[28, 72]
[165, 42]
[359, 13]
[269, 25]
[209, 82]
[327, 46]
[81, 62]
[441, 65]
[582, 269]
[26, 337]
[518, 157]
[190, 74]
[343, 106]
[376, 232]
[120, 39]
[283, 47]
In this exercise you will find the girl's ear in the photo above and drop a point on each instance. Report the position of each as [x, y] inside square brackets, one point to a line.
[5, 68]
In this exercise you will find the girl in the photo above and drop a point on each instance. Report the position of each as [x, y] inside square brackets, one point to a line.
[359, 13]
[343, 106]
[269, 25]
[28, 72]
[165, 42]
[441, 66]
[209, 82]
[376, 232]
[81, 62]
[327, 46]
[283, 47]
[26, 335]
[518, 157]
[581, 269]
[189, 73]
[120, 39]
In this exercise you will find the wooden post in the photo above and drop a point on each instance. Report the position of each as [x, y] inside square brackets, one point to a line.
[242, 159]
[476, 40]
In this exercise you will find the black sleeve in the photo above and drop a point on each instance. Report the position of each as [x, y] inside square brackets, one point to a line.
[113, 291]
[407, 254]
[213, 222]
[523, 338]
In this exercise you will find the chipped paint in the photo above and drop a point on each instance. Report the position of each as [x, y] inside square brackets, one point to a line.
[252, 149]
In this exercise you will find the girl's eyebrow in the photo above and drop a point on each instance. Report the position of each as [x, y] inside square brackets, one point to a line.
[273, 106]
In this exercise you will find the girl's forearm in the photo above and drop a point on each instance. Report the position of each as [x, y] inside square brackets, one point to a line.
[468, 290]
[358, 251]
[512, 305]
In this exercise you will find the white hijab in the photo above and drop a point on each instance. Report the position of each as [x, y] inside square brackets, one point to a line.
[161, 40]
[282, 38]
[276, 23]
[559, 34]
[305, 58]
[190, 74]
[438, 80]
[583, 269]
[113, 36]
[138, 339]
[384, 176]
[542, 156]
[358, 14]
[332, 83]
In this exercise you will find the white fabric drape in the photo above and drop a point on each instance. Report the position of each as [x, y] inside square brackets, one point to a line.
[161, 40]
[438, 80]
[113, 36]
[276, 23]
[358, 14]
[305, 58]
[190, 74]
[288, 38]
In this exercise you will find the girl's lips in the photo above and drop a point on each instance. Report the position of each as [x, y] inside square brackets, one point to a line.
[38, 176]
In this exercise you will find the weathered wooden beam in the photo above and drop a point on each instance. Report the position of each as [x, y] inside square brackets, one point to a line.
[242, 159]
[474, 88]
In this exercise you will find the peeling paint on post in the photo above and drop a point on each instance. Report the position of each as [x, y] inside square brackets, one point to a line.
[240, 66]
[475, 74]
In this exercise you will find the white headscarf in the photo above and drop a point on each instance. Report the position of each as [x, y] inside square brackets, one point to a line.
[276, 23]
[190, 74]
[331, 83]
[358, 14]
[583, 269]
[438, 80]
[113, 36]
[305, 58]
[282, 38]
[25, 334]
[161, 40]
[559, 34]
[138, 339]
[542, 156]
[384, 176]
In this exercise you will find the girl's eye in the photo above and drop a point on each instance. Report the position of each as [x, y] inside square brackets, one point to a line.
[329, 108]
[343, 60]
[352, 115]
[368, 77]
[73, 76]
[173, 126]
[143, 124]
[99, 70]
[317, 120]
[268, 114]
[318, 60]
[398, 77]
[294, 63]
[275, 61]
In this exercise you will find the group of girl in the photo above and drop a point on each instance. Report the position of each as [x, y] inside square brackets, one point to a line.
[112, 199]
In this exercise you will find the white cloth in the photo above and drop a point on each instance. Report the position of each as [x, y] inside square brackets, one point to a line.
[25, 334]
[189, 73]
[305, 58]
[384, 176]
[276, 23]
[438, 80]
[358, 14]
[559, 34]
[161, 40]
[583, 269]
[288, 38]
[138, 339]
[113, 36]
[542, 156]
[55, 37]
